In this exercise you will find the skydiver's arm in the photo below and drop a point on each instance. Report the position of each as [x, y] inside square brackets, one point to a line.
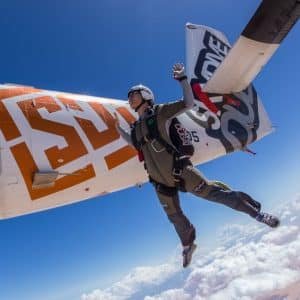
[173, 109]
[188, 97]
[124, 134]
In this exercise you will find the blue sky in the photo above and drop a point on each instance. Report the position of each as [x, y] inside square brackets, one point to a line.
[102, 48]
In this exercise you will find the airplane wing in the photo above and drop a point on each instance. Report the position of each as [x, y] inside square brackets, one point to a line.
[259, 40]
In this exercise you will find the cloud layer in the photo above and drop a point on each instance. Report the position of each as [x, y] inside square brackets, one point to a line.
[252, 262]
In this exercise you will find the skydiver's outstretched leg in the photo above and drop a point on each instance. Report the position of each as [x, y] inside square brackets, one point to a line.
[199, 186]
[169, 199]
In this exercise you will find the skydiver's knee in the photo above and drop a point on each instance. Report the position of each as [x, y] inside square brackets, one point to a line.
[201, 188]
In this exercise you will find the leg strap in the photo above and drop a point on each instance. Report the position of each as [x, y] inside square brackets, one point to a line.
[178, 165]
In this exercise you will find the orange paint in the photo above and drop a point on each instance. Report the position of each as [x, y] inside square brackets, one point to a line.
[69, 103]
[100, 139]
[16, 91]
[124, 112]
[57, 157]
[28, 167]
[103, 138]
[122, 155]
[119, 157]
[7, 124]
[97, 138]
[75, 147]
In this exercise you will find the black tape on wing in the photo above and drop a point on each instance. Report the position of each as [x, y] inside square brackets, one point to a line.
[273, 20]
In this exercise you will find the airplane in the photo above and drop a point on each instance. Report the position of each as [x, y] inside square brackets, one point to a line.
[59, 148]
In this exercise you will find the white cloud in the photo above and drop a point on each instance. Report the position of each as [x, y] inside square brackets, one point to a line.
[175, 294]
[135, 281]
[251, 261]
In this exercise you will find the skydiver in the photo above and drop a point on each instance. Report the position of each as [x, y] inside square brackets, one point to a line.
[154, 135]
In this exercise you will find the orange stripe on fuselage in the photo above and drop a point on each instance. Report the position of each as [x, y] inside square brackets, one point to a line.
[57, 157]
[16, 91]
[69, 103]
[130, 119]
[119, 157]
[122, 155]
[109, 135]
[97, 138]
[28, 167]
[7, 124]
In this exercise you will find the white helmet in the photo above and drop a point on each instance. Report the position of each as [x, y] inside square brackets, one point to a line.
[146, 93]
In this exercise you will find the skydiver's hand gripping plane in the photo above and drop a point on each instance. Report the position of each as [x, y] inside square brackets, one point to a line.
[59, 148]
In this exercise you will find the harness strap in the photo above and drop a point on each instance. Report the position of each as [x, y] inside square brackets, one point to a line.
[178, 165]
[179, 161]
[140, 105]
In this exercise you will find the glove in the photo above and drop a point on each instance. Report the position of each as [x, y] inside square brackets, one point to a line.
[178, 72]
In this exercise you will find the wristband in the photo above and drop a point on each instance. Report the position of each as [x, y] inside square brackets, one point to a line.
[182, 78]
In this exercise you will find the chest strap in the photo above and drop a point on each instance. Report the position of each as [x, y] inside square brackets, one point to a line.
[179, 161]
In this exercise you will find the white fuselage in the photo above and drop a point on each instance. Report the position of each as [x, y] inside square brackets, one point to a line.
[75, 137]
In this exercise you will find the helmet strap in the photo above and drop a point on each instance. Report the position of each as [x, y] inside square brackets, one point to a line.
[140, 105]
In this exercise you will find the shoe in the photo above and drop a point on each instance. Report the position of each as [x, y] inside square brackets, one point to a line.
[268, 219]
[187, 254]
